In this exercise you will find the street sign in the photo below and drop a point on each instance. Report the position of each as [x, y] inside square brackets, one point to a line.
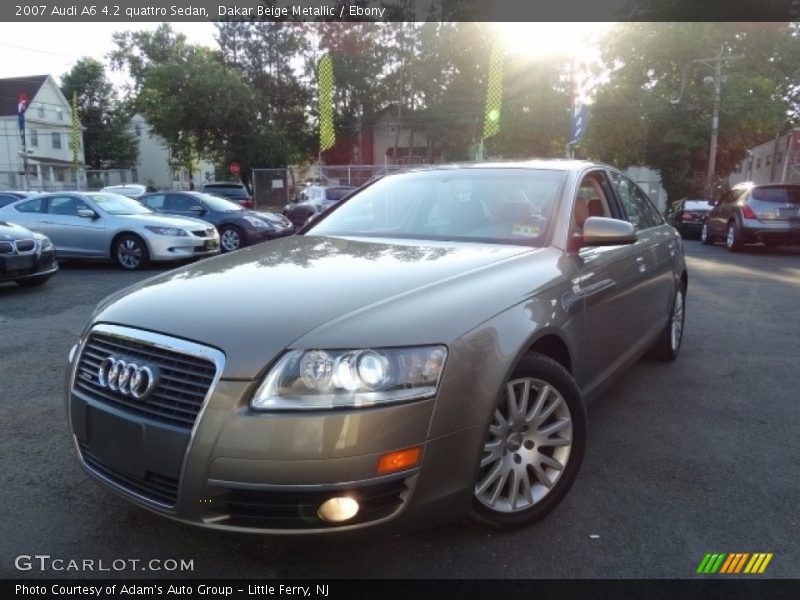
[234, 168]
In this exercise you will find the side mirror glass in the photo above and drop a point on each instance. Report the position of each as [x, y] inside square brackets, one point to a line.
[197, 209]
[601, 231]
[87, 213]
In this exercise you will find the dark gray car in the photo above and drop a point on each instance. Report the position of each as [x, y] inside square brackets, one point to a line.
[750, 213]
[237, 227]
[422, 353]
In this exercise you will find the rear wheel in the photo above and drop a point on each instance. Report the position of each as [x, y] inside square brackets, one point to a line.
[705, 235]
[131, 252]
[533, 447]
[733, 238]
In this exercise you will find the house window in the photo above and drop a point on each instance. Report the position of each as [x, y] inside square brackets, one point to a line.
[758, 163]
[135, 175]
[768, 160]
[59, 114]
[41, 111]
[123, 177]
[778, 158]
[59, 175]
[56, 140]
[137, 129]
[34, 138]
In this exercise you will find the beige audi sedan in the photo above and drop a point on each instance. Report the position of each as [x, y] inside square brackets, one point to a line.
[422, 352]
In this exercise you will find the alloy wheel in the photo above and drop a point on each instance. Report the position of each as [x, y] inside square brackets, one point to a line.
[676, 329]
[230, 240]
[527, 449]
[129, 253]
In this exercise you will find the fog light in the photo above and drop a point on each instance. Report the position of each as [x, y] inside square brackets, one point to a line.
[336, 510]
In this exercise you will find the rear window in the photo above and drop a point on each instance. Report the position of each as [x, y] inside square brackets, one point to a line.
[236, 191]
[696, 205]
[780, 195]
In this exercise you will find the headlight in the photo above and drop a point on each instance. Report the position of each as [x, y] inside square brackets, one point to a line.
[324, 379]
[174, 231]
[256, 222]
[44, 242]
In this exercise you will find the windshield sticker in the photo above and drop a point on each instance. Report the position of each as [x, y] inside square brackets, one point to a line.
[525, 230]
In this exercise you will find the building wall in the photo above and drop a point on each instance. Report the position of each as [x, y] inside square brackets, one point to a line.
[48, 114]
[770, 162]
[384, 133]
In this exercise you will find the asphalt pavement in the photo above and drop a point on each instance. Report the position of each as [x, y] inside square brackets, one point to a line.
[696, 456]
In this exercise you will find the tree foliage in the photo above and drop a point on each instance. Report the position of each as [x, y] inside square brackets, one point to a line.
[107, 139]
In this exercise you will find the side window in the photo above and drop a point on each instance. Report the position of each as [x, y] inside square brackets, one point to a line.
[66, 205]
[155, 202]
[179, 202]
[31, 206]
[634, 202]
[591, 200]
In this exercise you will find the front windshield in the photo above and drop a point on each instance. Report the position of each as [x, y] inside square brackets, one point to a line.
[499, 205]
[115, 204]
[216, 203]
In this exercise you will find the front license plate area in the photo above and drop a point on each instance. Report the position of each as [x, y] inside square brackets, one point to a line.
[115, 442]
[19, 263]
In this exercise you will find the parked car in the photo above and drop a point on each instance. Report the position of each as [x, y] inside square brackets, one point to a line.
[315, 200]
[232, 190]
[750, 213]
[237, 227]
[131, 190]
[423, 352]
[687, 216]
[105, 225]
[9, 196]
[26, 257]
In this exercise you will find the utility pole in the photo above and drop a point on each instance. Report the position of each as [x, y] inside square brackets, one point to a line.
[716, 81]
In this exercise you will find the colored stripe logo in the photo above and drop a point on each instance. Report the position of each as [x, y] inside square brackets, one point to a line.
[734, 563]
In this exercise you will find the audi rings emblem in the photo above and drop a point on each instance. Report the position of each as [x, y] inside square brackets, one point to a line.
[127, 378]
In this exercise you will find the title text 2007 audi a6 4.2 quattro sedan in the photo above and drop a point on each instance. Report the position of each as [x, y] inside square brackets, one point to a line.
[422, 352]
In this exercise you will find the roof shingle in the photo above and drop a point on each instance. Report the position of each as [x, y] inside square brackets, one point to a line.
[11, 87]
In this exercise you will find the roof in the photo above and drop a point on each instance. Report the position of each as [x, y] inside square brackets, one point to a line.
[11, 87]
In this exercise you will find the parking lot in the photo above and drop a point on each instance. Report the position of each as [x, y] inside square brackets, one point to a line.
[701, 455]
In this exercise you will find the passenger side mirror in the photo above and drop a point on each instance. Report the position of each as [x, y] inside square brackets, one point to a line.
[87, 213]
[601, 231]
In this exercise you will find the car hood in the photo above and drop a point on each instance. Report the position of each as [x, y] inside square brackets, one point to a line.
[267, 216]
[254, 303]
[10, 231]
[164, 220]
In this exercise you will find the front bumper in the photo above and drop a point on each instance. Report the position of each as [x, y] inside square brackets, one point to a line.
[24, 266]
[236, 469]
[167, 247]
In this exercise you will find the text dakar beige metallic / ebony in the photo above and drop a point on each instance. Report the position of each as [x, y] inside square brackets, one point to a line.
[423, 351]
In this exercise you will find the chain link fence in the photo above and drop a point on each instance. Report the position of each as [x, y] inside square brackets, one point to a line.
[273, 188]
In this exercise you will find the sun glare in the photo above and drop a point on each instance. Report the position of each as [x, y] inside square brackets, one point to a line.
[577, 40]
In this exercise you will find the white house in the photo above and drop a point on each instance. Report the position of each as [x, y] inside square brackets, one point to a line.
[775, 161]
[154, 167]
[48, 135]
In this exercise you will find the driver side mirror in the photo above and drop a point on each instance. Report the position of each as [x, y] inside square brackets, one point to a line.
[198, 209]
[87, 213]
[601, 231]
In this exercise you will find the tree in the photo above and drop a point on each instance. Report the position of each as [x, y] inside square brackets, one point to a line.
[635, 120]
[107, 139]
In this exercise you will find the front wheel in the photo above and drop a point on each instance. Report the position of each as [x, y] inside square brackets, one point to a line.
[131, 253]
[230, 238]
[533, 447]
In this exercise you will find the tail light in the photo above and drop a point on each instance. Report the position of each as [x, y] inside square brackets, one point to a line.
[747, 212]
[686, 216]
[248, 203]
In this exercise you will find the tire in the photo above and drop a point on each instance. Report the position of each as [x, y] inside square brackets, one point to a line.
[33, 281]
[511, 454]
[705, 235]
[733, 237]
[130, 252]
[669, 342]
[231, 238]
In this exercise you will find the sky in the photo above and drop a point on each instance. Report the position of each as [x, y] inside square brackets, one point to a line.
[53, 48]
